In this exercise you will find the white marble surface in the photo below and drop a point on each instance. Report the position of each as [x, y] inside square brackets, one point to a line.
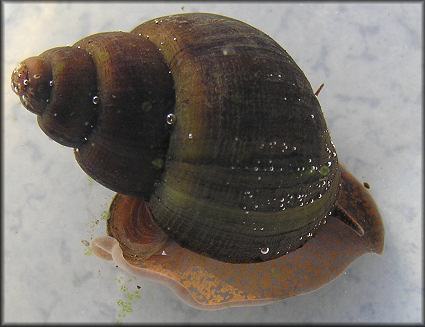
[368, 56]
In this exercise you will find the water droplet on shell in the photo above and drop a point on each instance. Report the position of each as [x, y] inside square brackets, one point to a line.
[265, 250]
[171, 119]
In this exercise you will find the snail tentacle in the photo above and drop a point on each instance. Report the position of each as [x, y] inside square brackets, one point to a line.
[349, 220]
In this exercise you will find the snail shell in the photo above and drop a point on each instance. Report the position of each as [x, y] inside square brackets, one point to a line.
[205, 117]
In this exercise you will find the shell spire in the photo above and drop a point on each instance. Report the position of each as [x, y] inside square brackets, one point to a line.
[107, 96]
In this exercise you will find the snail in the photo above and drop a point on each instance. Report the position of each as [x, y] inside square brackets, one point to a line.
[219, 151]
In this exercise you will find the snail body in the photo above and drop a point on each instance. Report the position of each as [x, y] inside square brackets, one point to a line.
[206, 119]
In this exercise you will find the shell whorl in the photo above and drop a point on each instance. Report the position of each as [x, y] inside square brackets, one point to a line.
[251, 172]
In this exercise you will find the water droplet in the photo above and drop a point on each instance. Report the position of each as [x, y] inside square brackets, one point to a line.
[295, 148]
[236, 139]
[174, 39]
[163, 253]
[24, 99]
[37, 76]
[25, 82]
[265, 250]
[312, 116]
[95, 99]
[51, 83]
[190, 136]
[171, 119]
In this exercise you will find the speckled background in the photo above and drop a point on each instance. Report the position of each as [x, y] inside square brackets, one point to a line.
[368, 56]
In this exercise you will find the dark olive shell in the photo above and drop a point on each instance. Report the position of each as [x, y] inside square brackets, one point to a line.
[251, 170]
[244, 169]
